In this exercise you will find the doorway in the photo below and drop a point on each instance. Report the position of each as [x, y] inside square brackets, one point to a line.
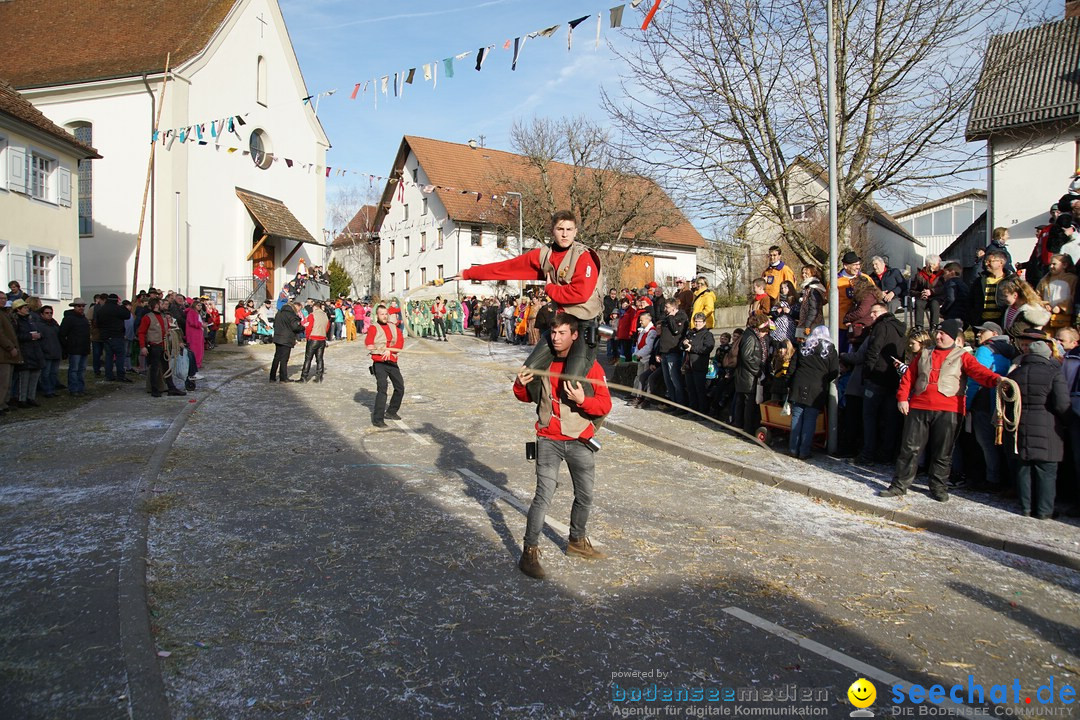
[264, 256]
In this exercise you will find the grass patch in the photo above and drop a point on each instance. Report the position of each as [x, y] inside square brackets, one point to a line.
[160, 504]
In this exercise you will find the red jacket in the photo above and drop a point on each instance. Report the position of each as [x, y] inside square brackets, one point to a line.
[582, 285]
[597, 405]
[934, 400]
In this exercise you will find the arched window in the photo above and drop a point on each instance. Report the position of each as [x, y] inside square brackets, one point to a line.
[260, 81]
[84, 133]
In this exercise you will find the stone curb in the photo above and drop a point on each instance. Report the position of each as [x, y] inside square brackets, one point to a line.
[939, 527]
[146, 689]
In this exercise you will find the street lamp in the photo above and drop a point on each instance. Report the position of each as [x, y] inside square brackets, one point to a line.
[521, 239]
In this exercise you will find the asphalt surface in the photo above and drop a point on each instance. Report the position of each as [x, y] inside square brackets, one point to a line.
[300, 563]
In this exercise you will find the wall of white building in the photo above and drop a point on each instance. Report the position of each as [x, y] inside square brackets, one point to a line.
[939, 226]
[39, 236]
[201, 233]
[1023, 187]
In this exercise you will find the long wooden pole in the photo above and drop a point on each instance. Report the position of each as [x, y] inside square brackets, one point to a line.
[149, 175]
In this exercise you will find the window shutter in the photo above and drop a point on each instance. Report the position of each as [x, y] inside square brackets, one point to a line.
[16, 170]
[63, 186]
[65, 278]
[19, 266]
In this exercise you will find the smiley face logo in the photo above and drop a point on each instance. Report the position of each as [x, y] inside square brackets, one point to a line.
[862, 693]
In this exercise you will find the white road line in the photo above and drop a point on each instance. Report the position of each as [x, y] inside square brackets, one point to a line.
[418, 438]
[516, 502]
[863, 669]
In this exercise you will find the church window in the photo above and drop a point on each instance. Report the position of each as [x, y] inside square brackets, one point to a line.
[260, 81]
[259, 145]
[84, 133]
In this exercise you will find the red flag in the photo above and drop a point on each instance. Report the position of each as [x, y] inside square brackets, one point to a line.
[354, 91]
[649, 17]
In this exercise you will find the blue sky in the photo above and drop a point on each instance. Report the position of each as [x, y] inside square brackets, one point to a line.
[341, 42]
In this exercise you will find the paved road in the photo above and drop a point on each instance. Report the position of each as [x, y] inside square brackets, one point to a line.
[303, 564]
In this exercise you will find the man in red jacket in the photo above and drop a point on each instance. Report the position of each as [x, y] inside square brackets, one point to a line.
[572, 273]
[382, 339]
[931, 396]
[564, 431]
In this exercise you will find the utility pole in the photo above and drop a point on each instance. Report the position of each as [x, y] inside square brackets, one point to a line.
[834, 298]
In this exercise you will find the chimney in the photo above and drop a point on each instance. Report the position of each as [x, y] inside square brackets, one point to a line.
[1072, 8]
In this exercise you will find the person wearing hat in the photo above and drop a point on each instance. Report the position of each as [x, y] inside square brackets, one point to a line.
[75, 341]
[1070, 237]
[110, 319]
[9, 354]
[28, 334]
[1040, 434]
[685, 295]
[931, 398]
[995, 352]
[852, 268]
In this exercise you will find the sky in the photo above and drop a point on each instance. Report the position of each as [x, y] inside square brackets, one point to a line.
[341, 42]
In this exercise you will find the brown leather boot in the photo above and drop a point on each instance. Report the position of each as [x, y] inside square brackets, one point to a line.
[530, 562]
[583, 548]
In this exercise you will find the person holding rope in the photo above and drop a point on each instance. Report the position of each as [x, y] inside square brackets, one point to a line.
[383, 338]
[153, 335]
[572, 272]
[566, 419]
[931, 398]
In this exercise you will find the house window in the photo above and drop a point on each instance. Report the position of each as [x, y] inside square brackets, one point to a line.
[260, 81]
[423, 276]
[423, 207]
[500, 239]
[801, 212]
[423, 242]
[963, 215]
[38, 172]
[392, 288]
[391, 256]
[439, 241]
[406, 279]
[943, 222]
[416, 174]
[924, 225]
[405, 252]
[40, 271]
[440, 271]
[477, 236]
[406, 212]
[85, 135]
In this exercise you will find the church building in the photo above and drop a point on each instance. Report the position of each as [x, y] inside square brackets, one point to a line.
[237, 177]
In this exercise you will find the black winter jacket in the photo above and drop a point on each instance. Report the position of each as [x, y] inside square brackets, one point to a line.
[701, 347]
[749, 366]
[672, 329]
[886, 341]
[813, 373]
[287, 326]
[33, 355]
[1045, 403]
[50, 339]
[110, 318]
[75, 334]
[892, 281]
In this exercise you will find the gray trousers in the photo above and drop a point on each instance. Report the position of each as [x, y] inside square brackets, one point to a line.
[550, 455]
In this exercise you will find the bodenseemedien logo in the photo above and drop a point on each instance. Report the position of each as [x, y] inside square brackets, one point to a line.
[862, 694]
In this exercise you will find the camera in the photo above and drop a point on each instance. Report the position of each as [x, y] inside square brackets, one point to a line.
[590, 443]
[530, 450]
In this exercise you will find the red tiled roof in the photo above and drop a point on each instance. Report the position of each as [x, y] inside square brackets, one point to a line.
[16, 106]
[52, 42]
[360, 227]
[454, 165]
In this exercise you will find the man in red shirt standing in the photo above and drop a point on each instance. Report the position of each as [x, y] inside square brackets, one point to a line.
[564, 431]
[572, 273]
[382, 339]
[931, 397]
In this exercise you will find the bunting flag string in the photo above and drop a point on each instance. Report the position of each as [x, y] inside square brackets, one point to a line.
[329, 171]
[196, 131]
[430, 70]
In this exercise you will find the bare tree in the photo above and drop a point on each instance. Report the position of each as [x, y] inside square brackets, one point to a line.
[735, 90]
[354, 242]
[573, 164]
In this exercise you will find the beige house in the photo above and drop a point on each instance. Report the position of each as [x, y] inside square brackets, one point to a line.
[873, 231]
[39, 191]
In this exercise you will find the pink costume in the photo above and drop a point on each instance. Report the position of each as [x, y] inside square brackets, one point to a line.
[193, 332]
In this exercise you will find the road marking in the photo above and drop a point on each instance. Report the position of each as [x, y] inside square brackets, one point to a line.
[516, 502]
[418, 438]
[863, 669]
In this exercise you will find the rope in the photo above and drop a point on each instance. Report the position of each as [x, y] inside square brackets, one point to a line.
[1007, 396]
